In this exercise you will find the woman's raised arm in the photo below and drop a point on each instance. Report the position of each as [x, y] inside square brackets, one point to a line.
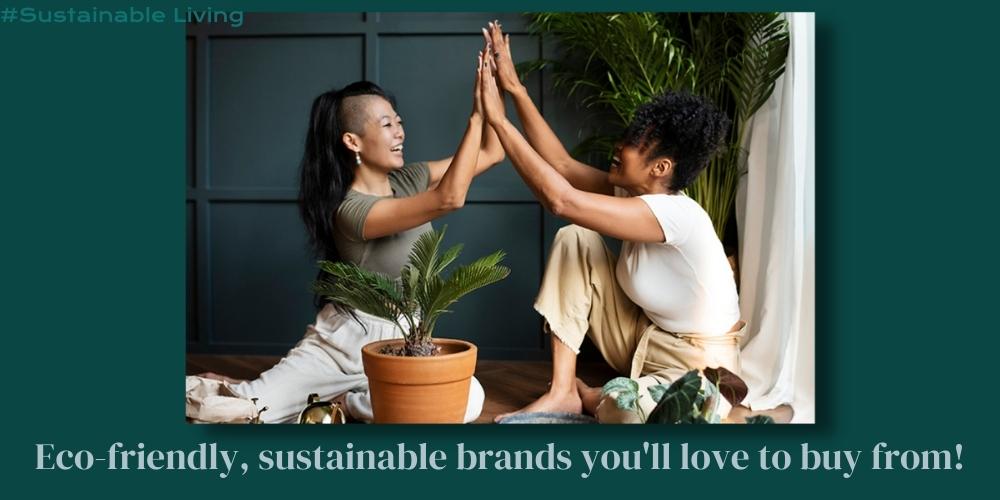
[392, 215]
[628, 219]
[490, 152]
[539, 134]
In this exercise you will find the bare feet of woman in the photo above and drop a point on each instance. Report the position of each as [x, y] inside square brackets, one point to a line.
[564, 401]
[590, 396]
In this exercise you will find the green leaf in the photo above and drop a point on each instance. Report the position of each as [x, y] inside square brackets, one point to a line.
[624, 390]
[657, 391]
[447, 258]
[424, 254]
[361, 289]
[620, 384]
[677, 404]
[627, 400]
[760, 419]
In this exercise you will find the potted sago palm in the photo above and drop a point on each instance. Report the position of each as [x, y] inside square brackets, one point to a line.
[416, 379]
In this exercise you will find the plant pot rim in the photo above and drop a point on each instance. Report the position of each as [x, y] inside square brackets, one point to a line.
[372, 349]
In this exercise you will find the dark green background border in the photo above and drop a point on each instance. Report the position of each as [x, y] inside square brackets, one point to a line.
[92, 149]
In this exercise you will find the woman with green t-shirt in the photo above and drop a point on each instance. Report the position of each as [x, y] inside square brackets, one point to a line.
[361, 203]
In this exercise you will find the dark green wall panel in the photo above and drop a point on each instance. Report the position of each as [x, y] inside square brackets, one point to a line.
[432, 78]
[189, 103]
[259, 98]
[192, 280]
[261, 274]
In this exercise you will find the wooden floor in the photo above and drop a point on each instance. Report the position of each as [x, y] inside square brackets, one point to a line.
[509, 385]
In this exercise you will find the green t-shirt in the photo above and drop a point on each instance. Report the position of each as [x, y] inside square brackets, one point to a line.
[387, 254]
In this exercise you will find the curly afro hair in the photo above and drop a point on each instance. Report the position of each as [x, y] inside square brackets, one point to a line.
[686, 128]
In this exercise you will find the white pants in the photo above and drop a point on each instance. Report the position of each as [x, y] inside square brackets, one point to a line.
[327, 361]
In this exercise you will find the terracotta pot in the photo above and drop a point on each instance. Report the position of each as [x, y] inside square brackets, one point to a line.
[427, 390]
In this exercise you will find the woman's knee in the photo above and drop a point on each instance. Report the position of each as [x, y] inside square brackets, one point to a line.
[577, 235]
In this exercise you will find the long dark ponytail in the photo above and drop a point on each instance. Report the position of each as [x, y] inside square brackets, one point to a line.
[327, 168]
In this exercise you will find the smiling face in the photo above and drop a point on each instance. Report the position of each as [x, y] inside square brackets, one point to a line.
[633, 171]
[379, 137]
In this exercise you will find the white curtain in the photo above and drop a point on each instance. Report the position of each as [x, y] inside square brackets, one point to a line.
[776, 216]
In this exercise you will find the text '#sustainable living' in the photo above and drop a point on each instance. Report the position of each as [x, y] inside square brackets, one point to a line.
[131, 15]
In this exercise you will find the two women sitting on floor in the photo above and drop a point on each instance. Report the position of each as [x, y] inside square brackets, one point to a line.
[666, 305]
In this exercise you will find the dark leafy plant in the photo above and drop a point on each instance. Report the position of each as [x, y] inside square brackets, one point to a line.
[730, 385]
[614, 62]
[683, 402]
[688, 400]
[420, 296]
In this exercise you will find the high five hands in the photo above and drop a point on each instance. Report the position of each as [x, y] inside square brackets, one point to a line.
[491, 101]
[496, 72]
[503, 63]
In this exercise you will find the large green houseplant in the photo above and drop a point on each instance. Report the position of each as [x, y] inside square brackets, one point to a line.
[615, 62]
[418, 378]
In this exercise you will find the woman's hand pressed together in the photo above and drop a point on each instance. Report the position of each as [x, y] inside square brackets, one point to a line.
[503, 62]
[492, 100]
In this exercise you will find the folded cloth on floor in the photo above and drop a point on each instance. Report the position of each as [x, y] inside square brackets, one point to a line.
[211, 401]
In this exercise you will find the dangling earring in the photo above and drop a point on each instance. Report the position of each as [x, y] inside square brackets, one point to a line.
[357, 157]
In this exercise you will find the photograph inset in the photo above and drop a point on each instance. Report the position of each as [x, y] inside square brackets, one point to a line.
[584, 218]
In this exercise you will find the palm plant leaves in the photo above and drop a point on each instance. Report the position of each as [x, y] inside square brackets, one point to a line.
[756, 68]
[424, 254]
[447, 258]
[361, 289]
[466, 279]
[409, 278]
[626, 58]
[621, 61]
[421, 294]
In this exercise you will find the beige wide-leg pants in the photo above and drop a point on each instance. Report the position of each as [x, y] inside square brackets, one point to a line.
[327, 361]
[580, 297]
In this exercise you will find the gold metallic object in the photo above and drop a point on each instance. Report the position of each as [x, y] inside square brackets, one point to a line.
[322, 412]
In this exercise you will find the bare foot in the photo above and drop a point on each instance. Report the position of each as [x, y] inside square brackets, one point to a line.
[781, 415]
[561, 401]
[216, 376]
[590, 396]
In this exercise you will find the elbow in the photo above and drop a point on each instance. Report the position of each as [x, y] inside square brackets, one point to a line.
[557, 203]
[452, 202]
[558, 208]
